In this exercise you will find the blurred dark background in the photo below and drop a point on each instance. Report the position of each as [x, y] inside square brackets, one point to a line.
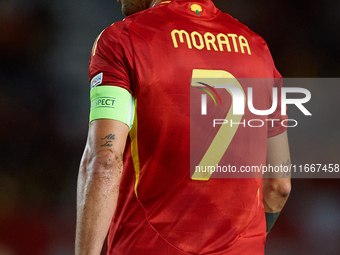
[44, 106]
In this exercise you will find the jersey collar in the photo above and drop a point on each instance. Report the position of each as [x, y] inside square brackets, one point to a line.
[197, 9]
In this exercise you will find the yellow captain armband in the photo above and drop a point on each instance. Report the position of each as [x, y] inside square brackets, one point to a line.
[111, 102]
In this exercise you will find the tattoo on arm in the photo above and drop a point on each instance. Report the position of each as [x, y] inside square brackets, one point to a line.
[110, 137]
[287, 163]
[108, 140]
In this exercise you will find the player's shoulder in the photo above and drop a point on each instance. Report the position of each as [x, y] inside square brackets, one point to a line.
[115, 31]
[113, 38]
[120, 29]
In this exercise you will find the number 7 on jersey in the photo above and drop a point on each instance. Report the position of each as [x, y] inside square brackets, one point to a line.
[225, 134]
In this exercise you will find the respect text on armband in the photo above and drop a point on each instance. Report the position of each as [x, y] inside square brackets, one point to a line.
[103, 102]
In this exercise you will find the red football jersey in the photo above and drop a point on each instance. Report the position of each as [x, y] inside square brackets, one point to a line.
[161, 210]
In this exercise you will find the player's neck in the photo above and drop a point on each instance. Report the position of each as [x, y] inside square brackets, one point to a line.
[153, 3]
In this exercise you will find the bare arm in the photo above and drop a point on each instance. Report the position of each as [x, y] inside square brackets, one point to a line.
[98, 184]
[276, 188]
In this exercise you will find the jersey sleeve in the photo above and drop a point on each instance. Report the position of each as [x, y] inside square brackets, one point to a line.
[110, 72]
[276, 127]
[110, 61]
